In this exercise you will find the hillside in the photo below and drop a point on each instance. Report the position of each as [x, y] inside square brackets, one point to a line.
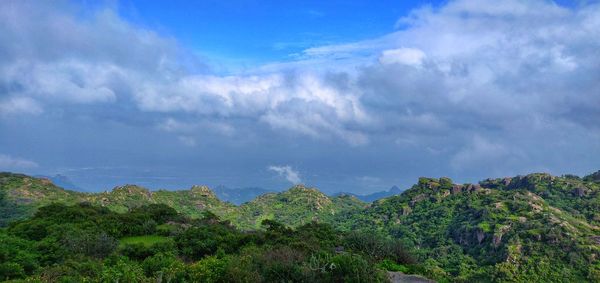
[25, 194]
[21, 195]
[524, 228]
[532, 227]
[296, 206]
[153, 243]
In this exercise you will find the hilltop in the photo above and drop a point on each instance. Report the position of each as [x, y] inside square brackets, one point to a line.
[509, 229]
[521, 228]
[294, 207]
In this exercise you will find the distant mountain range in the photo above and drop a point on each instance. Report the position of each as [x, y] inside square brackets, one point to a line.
[238, 196]
[374, 196]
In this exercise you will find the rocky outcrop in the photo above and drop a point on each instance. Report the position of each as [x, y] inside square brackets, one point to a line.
[203, 191]
[456, 189]
[473, 188]
[497, 239]
[579, 191]
[480, 236]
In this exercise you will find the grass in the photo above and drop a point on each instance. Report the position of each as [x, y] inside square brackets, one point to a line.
[147, 241]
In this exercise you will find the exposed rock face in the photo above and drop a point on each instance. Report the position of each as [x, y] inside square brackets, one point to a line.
[580, 191]
[473, 188]
[480, 236]
[46, 181]
[417, 199]
[456, 188]
[406, 210]
[203, 191]
[497, 239]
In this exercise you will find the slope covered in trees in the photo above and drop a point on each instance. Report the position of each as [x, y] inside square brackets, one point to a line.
[536, 227]
[499, 230]
[154, 243]
[296, 206]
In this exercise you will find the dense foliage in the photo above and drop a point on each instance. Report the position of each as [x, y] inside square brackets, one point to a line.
[499, 230]
[154, 243]
[294, 207]
[538, 228]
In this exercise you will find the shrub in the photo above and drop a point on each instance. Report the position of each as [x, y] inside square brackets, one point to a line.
[90, 243]
[389, 265]
[210, 269]
[123, 270]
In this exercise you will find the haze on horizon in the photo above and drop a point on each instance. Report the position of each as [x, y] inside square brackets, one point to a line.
[349, 96]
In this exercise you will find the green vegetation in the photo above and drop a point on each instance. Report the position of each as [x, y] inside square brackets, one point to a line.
[538, 228]
[297, 206]
[146, 241]
[501, 230]
[84, 243]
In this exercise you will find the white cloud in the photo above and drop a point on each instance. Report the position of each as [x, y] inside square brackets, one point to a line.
[288, 172]
[301, 103]
[509, 73]
[8, 162]
[20, 105]
[407, 56]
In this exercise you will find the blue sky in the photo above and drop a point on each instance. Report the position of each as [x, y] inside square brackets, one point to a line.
[246, 33]
[342, 95]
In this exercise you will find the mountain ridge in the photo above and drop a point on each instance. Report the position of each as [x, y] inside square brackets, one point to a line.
[528, 227]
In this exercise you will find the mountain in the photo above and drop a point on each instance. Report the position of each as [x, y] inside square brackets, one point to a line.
[536, 227]
[525, 228]
[293, 207]
[296, 206]
[192, 202]
[238, 196]
[28, 193]
[374, 196]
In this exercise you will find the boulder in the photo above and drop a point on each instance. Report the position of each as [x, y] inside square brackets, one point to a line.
[579, 191]
[456, 188]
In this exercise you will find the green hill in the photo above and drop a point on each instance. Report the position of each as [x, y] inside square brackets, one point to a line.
[536, 227]
[296, 206]
[25, 194]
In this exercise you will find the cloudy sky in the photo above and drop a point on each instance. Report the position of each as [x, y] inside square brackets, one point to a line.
[342, 96]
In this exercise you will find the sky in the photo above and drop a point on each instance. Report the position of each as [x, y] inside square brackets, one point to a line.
[352, 96]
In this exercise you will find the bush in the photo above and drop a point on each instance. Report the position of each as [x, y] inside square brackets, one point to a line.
[123, 270]
[210, 269]
[389, 265]
[378, 247]
[90, 243]
[18, 257]
[141, 251]
[197, 242]
[164, 266]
